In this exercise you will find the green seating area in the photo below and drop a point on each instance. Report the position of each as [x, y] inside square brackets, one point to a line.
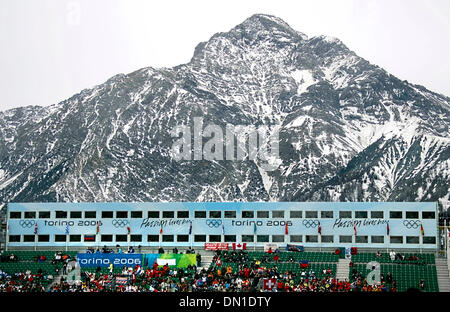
[407, 275]
[292, 267]
[31, 255]
[298, 256]
[367, 257]
[318, 261]
[317, 268]
[26, 261]
[13, 267]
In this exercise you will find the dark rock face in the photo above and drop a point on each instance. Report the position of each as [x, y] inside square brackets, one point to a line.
[348, 130]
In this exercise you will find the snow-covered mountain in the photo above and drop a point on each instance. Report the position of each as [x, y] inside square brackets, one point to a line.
[349, 131]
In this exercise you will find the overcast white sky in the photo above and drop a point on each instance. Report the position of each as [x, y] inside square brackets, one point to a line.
[52, 49]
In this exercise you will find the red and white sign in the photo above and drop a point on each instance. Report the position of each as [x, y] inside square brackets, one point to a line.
[121, 280]
[270, 283]
[272, 246]
[216, 246]
[242, 246]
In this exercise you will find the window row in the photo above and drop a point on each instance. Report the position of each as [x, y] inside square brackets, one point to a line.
[104, 238]
[218, 214]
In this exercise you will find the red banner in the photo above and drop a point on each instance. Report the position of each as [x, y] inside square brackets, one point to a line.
[216, 246]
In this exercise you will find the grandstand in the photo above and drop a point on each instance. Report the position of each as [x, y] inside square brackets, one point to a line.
[238, 247]
[293, 269]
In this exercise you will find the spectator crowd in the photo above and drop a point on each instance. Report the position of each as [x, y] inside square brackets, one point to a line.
[230, 271]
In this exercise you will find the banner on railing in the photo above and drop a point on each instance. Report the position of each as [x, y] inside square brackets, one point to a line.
[105, 259]
[272, 246]
[216, 246]
[169, 262]
[178, 260]
[290, 247]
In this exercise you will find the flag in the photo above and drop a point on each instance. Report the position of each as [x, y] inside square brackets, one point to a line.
[387, 229]
[269, 283]
[242, 246]
[223, 229]
[354, 229]
[160, 229]
[286, 231]
[98, 227]
[120, 280]
[128, 230]
[190, 228]
[319, 229]
[421, 230]
[218, 262]
[254, 228]
[89, 238]
[35, 228]
[67, 229]
[304, 264]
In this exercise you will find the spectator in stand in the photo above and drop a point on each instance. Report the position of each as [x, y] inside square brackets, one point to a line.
[57, 256]
[392, 255]
[389, 278]
[422, 284]
[157, 278]
[280, 285]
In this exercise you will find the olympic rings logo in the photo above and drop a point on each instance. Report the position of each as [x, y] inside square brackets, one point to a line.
[213, 223]
[411, 224]
[119, 223]
[310, 223]
[27, 223]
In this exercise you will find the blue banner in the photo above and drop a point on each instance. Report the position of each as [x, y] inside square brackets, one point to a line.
[105, 259]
